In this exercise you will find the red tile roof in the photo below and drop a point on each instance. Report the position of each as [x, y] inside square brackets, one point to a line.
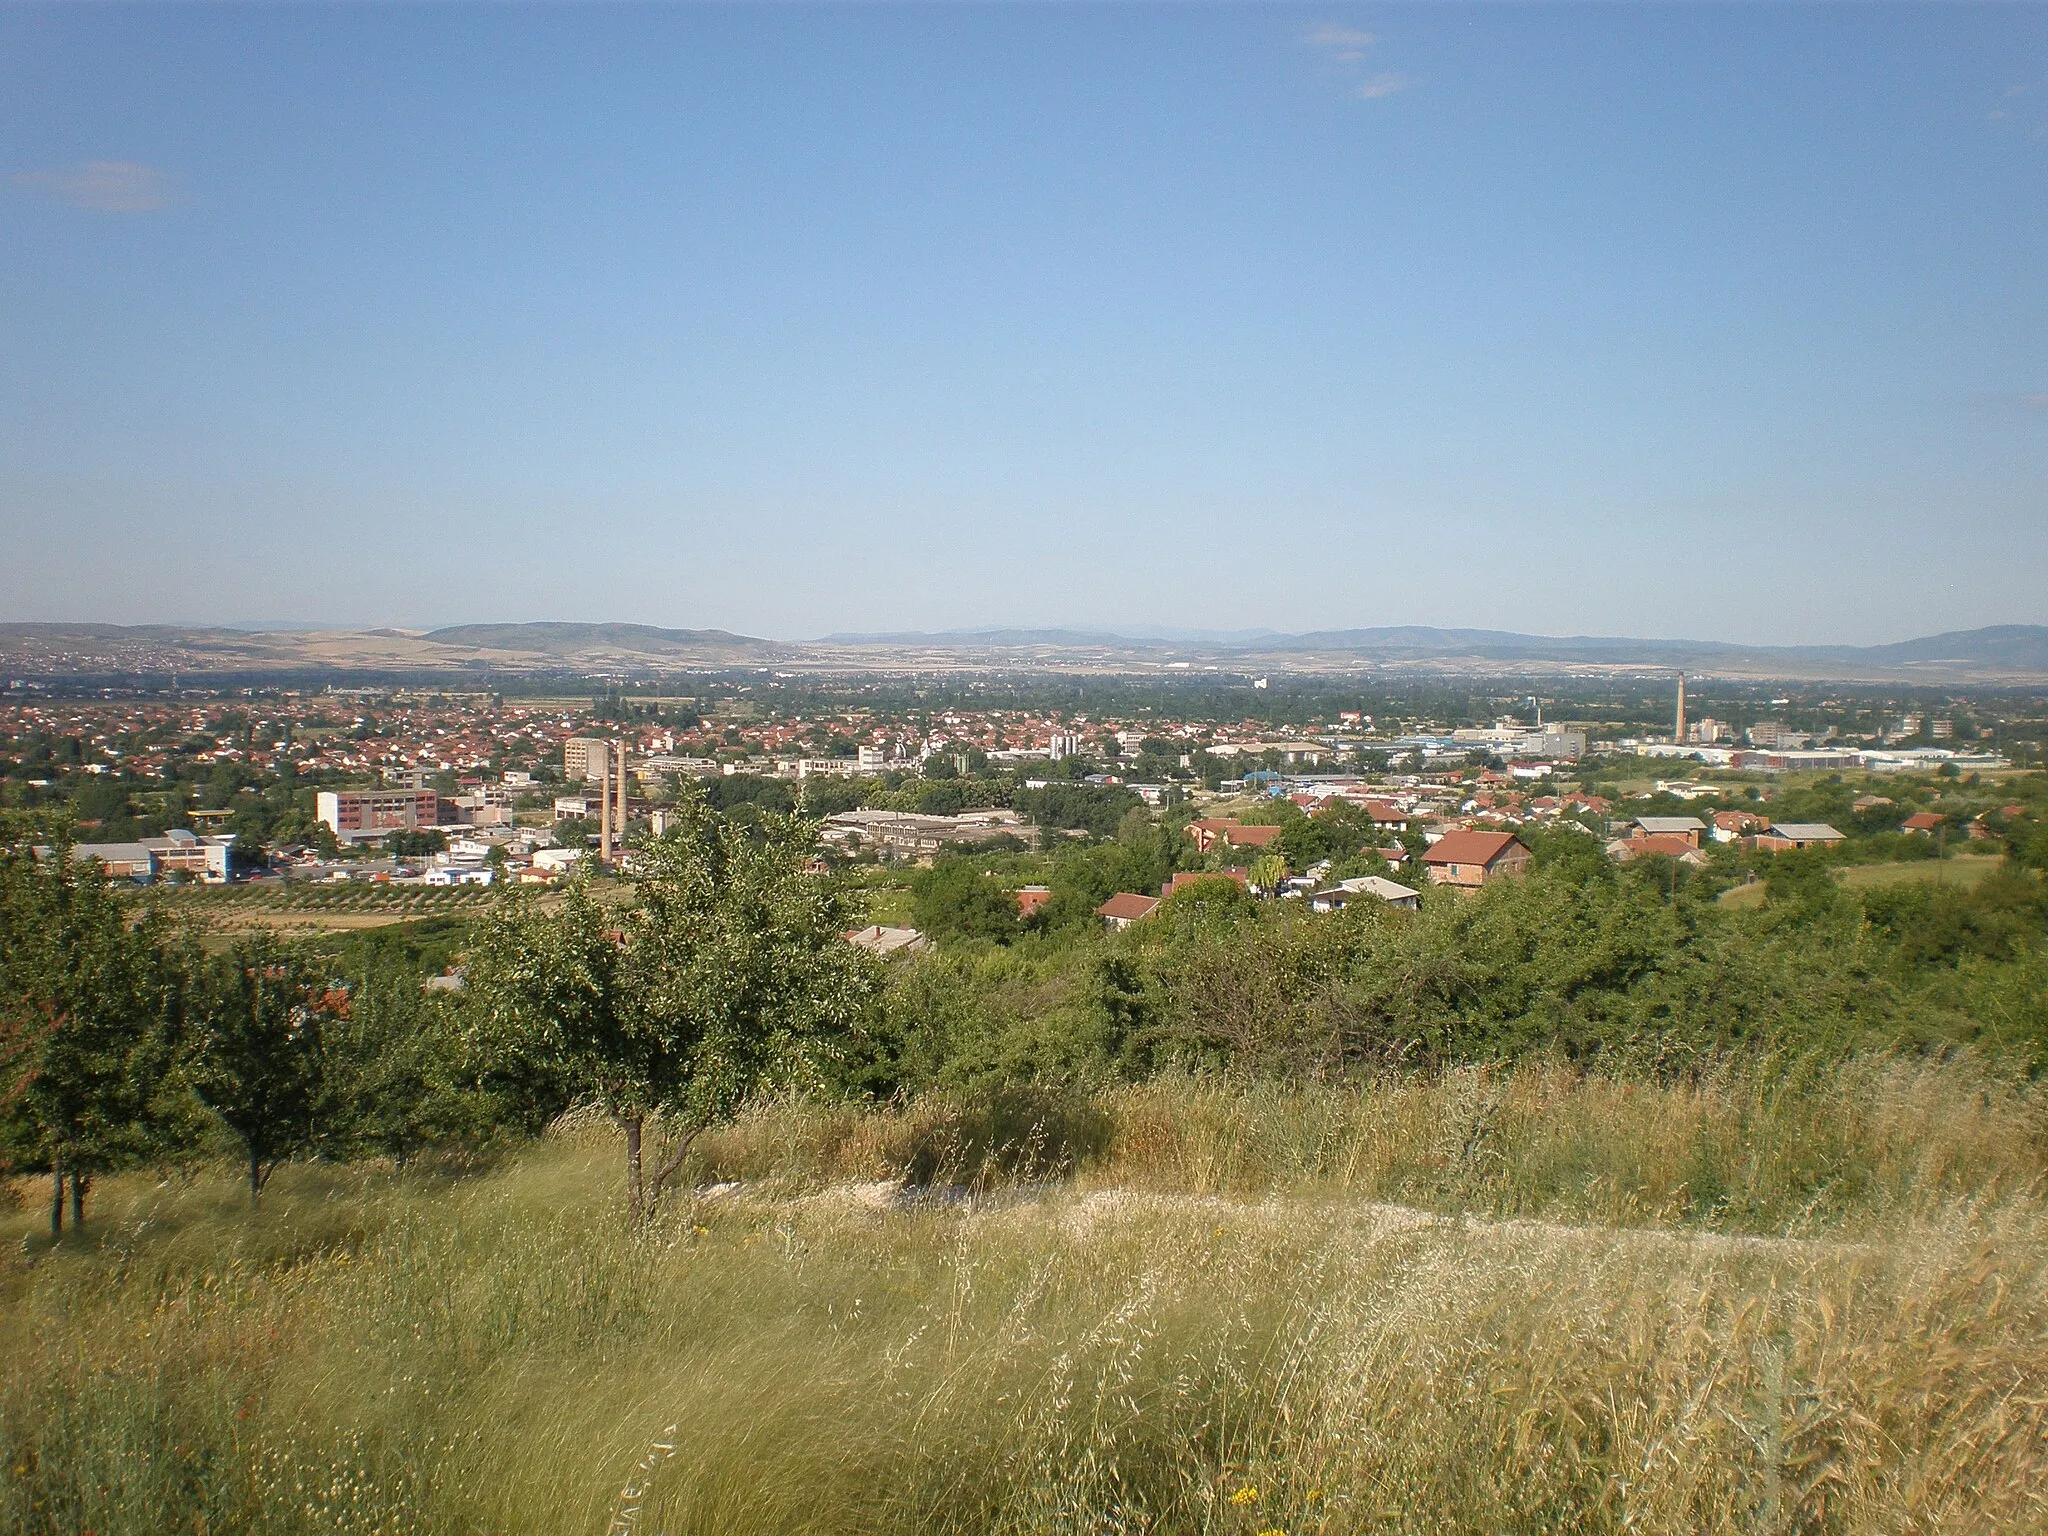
[1667, 843]
[1127, 906]
[1467, 847]
[1249, 837]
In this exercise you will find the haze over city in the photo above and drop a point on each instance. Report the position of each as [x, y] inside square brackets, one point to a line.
[1718, 322]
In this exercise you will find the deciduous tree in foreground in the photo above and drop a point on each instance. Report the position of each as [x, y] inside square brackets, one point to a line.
[722, 972]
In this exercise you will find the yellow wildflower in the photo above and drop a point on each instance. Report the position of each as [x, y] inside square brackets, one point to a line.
[1245, 1496]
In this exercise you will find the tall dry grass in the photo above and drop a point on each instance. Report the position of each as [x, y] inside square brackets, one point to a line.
[1217, 1327]
[1753, 1144]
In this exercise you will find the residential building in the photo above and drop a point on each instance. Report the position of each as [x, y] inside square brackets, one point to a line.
[1671, 845]
[1776, 736]
[1373, 887]
[585, 758]
[1729, 825]
[886, 941]
[1030, 898]
[1922, 822]
[1783, 835]
[1387, 816]
[1689, 829]
[1209, 831]
[1126, 908]
[1471, 859]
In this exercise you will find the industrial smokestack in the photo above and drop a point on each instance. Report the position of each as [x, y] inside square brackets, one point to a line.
[622, 799]
[1678, 730]
[604, 809]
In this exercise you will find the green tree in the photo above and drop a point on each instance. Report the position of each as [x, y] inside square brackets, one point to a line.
[725, 973]
[255, 1053]
[954, 900]
[397, 1080]
[89, 1009]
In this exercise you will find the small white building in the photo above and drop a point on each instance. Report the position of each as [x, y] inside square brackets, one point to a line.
[1377, 887]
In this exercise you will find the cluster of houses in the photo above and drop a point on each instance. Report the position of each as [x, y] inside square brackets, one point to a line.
[1683, 837]
[1466, 858]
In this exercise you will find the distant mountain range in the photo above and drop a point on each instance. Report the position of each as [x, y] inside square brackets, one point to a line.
[2018, 648]
[2007, 652]
[549, 638]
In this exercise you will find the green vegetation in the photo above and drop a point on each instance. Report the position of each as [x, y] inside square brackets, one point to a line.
[1585, 1201]
[1216, 1327]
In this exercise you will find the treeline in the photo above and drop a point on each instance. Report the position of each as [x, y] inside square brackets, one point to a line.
[716, 972]
[1635, 965]
[125, 1042]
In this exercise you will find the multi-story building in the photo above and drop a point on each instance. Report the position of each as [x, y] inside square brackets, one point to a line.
[585, 758]
[361, 815]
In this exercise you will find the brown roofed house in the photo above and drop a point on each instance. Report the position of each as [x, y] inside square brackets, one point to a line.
[1784, 836]
[1470, 859]
[1250, 837]
[1921, 821]
[1126, 908]
[1671, 845]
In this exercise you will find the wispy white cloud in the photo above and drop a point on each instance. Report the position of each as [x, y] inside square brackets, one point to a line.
[106, 186]
[1348, 49]
[2035, 402]
[1347, 45]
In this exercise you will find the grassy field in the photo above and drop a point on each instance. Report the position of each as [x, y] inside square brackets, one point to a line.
[1182, 1308]
[1964, 870]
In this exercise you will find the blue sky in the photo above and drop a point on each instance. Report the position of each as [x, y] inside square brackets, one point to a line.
[1720, 321]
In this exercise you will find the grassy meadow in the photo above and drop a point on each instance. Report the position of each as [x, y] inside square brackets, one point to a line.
[1778, 1297]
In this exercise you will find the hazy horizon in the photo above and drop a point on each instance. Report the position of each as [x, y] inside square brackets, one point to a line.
[1669, 322]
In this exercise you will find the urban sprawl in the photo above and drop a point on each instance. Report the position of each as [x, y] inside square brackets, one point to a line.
[419, 788]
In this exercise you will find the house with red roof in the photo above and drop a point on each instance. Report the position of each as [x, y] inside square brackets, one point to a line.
[1222, 829]
[1471, 859]
[1671, 844]
[1126, 908]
